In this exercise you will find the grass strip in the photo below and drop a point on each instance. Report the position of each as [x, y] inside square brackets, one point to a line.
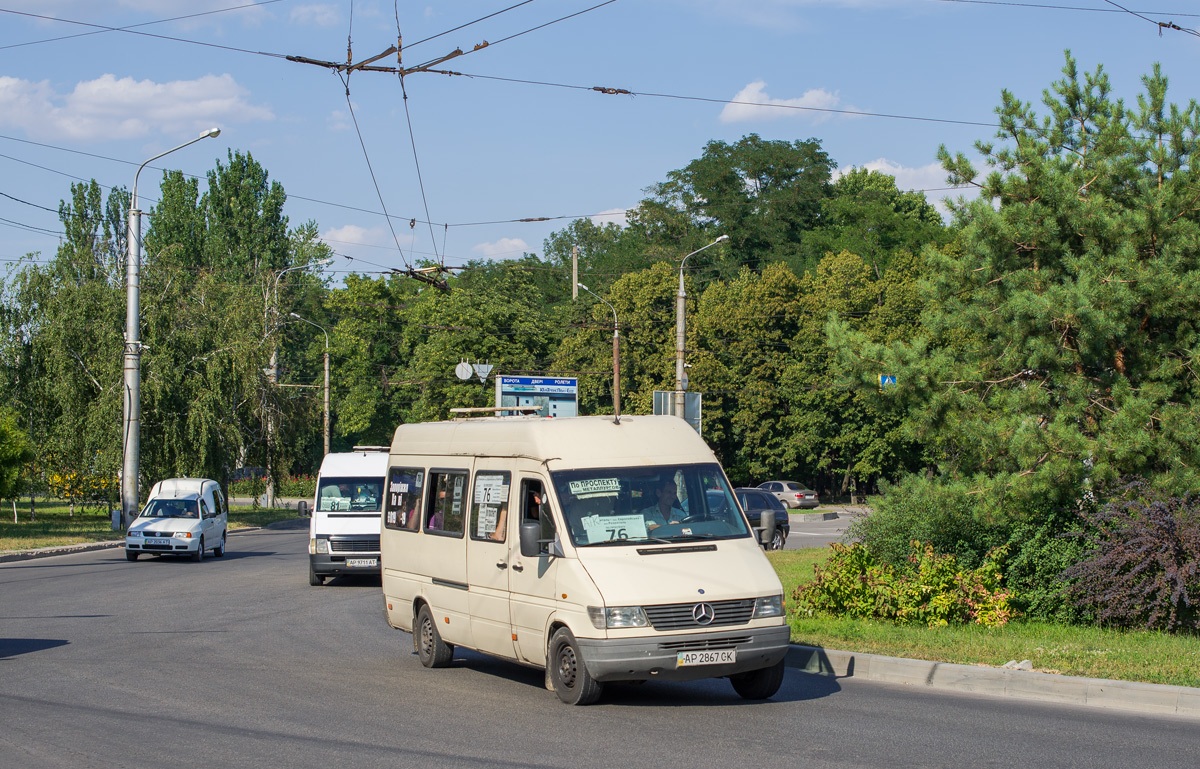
[1094, 652]
[55, 526]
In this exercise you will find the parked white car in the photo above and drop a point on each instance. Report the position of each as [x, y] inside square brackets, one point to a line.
[184, 516]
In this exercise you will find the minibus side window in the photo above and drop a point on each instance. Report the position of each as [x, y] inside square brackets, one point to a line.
[489, 505]
[447, 502]
[403, 510]
[535, 506]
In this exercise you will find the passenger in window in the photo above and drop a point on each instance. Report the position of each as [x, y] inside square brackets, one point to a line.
[666, 509]
[497, 534]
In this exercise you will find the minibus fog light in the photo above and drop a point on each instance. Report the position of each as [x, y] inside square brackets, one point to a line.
[768, 606]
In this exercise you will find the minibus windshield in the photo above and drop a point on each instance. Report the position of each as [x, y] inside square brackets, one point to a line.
[635, 505]
[360, 495]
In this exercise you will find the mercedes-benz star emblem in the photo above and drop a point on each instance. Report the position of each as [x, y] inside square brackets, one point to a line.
[703, 613]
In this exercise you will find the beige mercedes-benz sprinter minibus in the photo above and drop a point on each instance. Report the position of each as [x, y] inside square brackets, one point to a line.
[595, 550]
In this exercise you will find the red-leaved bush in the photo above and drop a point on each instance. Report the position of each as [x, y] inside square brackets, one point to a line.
[1143, 564]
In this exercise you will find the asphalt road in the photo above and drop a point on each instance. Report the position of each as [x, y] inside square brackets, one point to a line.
[238, 662]
[816, 533]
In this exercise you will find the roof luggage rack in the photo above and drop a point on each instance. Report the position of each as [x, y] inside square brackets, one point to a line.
[468, 413]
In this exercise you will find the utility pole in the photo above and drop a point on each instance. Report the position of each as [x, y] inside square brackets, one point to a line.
[616, 356]
[574, 271]
[680, 296]
[132, 364]
[326, 333]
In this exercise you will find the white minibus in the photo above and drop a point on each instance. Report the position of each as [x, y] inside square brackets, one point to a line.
[596, 550]
[343, 535]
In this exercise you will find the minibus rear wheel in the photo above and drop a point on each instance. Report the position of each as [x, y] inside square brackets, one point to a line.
[758, 684]
[572, 682]
[432, 650]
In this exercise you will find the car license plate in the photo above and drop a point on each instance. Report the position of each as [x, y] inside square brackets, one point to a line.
[361, 562]
[158, 541]
[714, 657]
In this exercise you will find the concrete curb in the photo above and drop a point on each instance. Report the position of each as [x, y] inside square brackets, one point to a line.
[811, 517]
[1022, 684]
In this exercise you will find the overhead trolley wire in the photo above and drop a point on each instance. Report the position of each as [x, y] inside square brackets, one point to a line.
[132, 26]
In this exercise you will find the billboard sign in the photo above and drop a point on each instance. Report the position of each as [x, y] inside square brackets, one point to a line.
[557, 396]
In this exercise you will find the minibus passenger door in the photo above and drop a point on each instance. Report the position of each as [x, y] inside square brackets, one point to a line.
[488, 560]
[532, 580]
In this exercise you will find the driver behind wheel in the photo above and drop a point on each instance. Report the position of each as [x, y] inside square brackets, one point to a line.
[666, 509]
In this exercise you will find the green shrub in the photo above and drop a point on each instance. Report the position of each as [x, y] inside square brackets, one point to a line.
[939, 512]
[1038, 553]
[931, 589]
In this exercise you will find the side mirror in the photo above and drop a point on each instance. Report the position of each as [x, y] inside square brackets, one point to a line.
[766, 520]
[302, 508]
[529, 533]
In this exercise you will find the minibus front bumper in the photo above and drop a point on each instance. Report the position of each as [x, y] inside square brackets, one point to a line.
[641, 659]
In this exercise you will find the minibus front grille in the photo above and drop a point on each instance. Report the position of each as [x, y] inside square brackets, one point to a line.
[705, 644]
[366, 545]
[681, 616]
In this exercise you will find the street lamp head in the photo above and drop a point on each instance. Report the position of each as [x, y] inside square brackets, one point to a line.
[722, 238]
[214, 132]
[294, 315]
[585, 288]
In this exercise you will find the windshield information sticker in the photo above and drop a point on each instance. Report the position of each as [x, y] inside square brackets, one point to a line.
[594, 487]
[606, 528]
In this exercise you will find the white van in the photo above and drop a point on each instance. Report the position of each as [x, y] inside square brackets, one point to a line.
[184, 516]
[595, 550]
[343, 535]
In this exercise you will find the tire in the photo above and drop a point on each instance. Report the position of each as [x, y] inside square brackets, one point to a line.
[131, 556]
[198, 556]
[779, 541]
[219, 551]
[432, 650]
[759, 684]
[314, 579]
[572, 682]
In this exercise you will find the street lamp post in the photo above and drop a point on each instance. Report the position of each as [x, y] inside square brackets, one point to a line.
[270, 325]
[132, 439]
[326, 333]
[679, 330]
[616, 356]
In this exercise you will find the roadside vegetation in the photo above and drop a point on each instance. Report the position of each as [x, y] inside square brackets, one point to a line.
[1129, 655]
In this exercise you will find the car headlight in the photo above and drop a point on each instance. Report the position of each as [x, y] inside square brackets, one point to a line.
[183, 535]
[768, 606]
[617, 616]
[318, 546]
[133, 534]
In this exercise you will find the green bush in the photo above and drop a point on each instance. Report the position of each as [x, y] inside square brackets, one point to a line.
[304, 486]
[931, 590]
[1038, 553]
[939, 512]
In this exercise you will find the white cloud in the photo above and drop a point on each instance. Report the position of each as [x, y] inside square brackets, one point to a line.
[504, 248]
[107, 108]
[339, 120]
[752, 103]
[617, 216]
[317, 15]
[353, 235]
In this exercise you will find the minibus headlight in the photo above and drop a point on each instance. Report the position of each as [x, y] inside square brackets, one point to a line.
[318, 546]
[617, 616]
[768, 606]
[183, 535]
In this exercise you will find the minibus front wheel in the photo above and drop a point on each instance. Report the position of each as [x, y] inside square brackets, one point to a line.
[432, 650]
[572, 682]
[759, 684]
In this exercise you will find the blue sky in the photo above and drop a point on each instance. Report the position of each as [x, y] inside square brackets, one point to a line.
[492, 150]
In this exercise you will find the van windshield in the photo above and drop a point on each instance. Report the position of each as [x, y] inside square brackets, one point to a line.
[360, 495]
[635, 505]
[171, 508]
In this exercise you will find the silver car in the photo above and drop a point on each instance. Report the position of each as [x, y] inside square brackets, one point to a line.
[793, 495]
